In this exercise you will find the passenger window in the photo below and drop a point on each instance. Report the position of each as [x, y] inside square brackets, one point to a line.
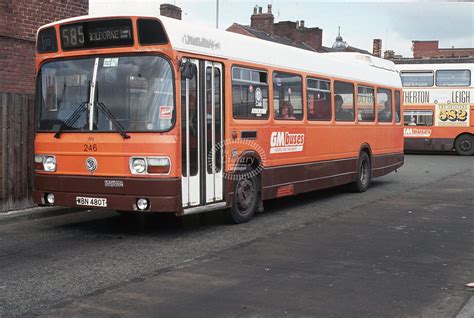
[418, 117]
[417, 79]
[344, 101]
[249, 93]
[384, 105]
[453, 78]
[319, 99]
[287, 96]
[397, 106]
[365, 104]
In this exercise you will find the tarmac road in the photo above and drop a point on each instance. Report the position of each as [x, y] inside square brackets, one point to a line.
[404, 248]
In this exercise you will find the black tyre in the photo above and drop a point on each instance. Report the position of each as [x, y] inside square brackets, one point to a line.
[246, 198]
[464, 145]
[364, 174]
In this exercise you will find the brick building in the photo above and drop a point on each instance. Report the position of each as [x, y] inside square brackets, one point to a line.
[431, 49]
[293, 33]
[19, 20]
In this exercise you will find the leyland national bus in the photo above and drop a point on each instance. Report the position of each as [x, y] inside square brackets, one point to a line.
[153, 114]
[439, 106]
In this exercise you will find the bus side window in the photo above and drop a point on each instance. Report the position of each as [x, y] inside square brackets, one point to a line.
[365, 104]
[418, 117]
[384, 105]
[397, 107]
[287, 96]
[319, 99]
[344, 101]
[249, 93]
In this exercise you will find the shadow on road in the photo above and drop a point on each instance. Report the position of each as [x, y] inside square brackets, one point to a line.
[116, 226]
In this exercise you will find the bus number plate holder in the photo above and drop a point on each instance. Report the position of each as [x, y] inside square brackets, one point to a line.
[96, 202]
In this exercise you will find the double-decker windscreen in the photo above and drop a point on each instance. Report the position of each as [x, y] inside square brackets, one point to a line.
[94, 34]
[130, 93]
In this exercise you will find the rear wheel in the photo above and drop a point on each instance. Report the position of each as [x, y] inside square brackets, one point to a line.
[464, 145]
[364, 174]
[246, 197]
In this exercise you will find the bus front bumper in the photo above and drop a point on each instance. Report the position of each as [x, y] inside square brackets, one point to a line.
[121, 194]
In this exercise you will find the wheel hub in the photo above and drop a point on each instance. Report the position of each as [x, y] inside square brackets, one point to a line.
[245, 194]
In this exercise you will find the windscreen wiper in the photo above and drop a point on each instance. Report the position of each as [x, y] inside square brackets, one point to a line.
[72, 119]
[112, 118]
[109, 114]
[75, 115]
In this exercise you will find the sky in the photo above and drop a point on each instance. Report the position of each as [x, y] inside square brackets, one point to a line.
[396, 23]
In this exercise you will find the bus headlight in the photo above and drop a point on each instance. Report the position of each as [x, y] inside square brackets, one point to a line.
[137, 165]
[159, 165]
[49, 163]
[45, 163]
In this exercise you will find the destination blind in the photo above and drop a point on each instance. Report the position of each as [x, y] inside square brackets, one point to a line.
[96, 34]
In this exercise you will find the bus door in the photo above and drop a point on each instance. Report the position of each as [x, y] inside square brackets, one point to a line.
[202, 135]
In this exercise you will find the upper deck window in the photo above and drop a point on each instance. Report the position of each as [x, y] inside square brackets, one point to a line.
[319, 99]
[151, 32]
[249, 93]
[417, 79]
[453, 78]
[287, 96]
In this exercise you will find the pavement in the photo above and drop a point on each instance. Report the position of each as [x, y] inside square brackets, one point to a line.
[402, 249]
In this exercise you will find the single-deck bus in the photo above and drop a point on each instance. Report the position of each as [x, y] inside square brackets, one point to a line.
[153, 114]
[439, 106]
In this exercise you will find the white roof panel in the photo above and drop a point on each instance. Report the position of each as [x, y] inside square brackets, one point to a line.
[187, 37]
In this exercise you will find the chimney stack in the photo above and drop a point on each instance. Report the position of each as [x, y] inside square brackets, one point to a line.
[302, 24]
[170, 11]
[377, 48]
[262, 21]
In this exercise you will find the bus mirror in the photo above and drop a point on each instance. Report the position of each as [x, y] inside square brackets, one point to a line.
[188, 69]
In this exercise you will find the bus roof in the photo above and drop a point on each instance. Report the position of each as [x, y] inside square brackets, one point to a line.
[190, 38]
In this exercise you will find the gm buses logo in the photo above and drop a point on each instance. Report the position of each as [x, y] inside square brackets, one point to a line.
[281, 142]
[416, 132]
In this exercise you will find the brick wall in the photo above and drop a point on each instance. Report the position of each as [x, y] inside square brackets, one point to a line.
[430, 49]
[19, 20]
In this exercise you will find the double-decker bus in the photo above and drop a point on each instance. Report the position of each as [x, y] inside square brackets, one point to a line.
[154, 114]
[439, 106]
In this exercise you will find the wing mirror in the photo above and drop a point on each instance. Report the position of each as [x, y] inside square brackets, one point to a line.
[188, 69]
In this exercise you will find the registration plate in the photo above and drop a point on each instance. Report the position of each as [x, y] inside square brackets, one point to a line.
[97, 202]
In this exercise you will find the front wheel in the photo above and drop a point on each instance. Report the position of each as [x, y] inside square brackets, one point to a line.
[464, 145]
[246, 197]
[364, 174]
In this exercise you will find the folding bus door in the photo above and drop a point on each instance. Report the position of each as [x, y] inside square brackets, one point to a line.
[202, 130]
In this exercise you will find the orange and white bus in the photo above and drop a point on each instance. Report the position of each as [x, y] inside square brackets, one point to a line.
[154, 114]
[439, 106]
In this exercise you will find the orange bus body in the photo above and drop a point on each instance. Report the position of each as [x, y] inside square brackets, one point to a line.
[329, 156]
